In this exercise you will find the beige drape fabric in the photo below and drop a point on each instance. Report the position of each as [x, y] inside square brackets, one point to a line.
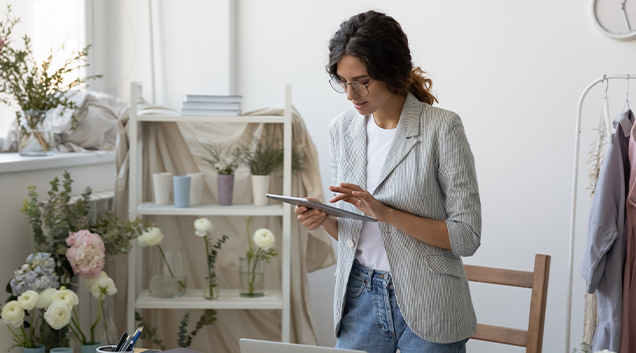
[177, 148]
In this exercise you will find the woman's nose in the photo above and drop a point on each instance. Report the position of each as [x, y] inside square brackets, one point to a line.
[351, 93]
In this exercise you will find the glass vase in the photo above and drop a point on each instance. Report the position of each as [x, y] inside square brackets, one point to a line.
[90, 348]
[210, 290]
[167, 273]
[251, 278]
[33, 138]
[106, 332]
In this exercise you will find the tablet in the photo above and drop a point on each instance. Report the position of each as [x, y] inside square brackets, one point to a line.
[332, 211]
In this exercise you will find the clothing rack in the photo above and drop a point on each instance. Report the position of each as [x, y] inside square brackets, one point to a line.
[574, 189]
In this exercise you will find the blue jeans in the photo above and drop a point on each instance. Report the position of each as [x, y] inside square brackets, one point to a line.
[372, 321]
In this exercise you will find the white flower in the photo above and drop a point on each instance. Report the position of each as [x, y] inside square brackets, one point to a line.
[46, 298]
[28, 299]
[13, 313]
[151, 237]
[58, 314]
[605, 351]
[101, 284]
[203, 226]
[264, 238]
[66, 296]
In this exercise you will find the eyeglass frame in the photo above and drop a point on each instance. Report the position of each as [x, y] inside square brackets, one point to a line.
[349, 84]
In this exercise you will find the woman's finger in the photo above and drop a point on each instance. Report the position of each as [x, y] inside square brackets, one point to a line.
[340, 197]
[351, 186]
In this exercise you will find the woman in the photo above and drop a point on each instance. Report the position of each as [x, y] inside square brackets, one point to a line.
[400, 282]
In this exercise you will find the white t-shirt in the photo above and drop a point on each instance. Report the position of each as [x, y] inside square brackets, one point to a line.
[370, 250]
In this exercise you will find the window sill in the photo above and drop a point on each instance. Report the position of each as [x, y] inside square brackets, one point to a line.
[13, 162]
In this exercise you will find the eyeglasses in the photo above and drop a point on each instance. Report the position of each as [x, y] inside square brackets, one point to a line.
[341, 87]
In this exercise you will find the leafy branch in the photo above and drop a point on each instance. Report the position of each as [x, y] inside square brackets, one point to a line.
[185, 338]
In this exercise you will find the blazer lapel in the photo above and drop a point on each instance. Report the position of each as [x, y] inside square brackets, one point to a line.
[355, 150]
[405, 137]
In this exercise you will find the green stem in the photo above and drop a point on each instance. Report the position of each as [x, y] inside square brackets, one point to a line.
[17, 336]
[168, 265]
[27, 342]
[105, 324]
[207, 254]
[32, 333]
[99, 316]
[75, 318]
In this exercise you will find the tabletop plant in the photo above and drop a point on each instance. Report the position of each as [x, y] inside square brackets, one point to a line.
[203, 227]
[36, 86]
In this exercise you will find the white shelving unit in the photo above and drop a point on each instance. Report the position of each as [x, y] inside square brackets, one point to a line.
[139, 298]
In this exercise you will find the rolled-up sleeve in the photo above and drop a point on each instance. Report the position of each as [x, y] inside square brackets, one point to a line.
[458, 180]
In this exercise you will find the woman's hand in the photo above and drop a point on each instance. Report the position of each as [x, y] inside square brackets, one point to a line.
[310, 218]
[362, 199]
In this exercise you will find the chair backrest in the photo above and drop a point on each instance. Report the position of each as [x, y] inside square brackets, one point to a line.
[532, 338]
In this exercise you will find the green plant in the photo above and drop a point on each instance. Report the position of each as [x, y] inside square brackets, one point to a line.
[585, 348]
[36, 86]
[149, 334]
[211, 256]
[59, 216]
[185, 338]
[264, 157]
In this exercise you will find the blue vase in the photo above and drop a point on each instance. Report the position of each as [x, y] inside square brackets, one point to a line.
[90, 348]
[181, 185]
[39, 349]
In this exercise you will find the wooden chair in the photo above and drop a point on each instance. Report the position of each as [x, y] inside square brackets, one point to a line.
[532, 338]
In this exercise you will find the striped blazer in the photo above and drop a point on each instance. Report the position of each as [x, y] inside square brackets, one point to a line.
[429, 171]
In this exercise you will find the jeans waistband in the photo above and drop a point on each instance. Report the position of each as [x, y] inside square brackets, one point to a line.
[375, 275]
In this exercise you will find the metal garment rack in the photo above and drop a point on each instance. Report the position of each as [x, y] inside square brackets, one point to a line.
[574, 189]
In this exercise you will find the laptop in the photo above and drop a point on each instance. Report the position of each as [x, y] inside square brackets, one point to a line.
[258, 346]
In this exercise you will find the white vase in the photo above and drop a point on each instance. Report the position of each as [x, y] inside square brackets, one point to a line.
[260, 187]
[196, 188]
[162, 184]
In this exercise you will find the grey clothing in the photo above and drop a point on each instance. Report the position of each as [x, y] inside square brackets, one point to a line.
[604, 256]
[429, 172]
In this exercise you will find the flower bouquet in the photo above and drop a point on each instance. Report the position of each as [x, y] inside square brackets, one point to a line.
[162, 283]
[225, 159]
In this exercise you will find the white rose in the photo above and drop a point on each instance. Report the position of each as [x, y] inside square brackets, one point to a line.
[58, 314]
[264, 238]
[101, 284]
[66, 296]
[203, 226]
[151, 237]
[13, 313]
[28, 299]
[46, 298]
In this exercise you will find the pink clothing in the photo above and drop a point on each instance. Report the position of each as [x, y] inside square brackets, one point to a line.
[628, 327]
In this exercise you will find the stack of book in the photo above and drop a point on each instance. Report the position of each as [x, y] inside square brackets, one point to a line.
[211, 105]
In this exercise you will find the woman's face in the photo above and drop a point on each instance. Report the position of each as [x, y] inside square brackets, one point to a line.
[351, 69]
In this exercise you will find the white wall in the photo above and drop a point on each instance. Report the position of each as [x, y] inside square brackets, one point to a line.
[514, 72]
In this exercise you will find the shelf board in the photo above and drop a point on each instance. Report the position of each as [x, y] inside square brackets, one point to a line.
[228, 299]
[213, 119]
[148, 208]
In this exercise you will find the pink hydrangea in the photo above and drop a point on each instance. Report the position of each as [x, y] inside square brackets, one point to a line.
[86, 253]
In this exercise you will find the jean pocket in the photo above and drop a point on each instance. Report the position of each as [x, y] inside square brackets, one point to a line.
[355, 286]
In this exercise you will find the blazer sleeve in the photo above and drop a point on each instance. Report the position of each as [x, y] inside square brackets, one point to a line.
[458, 179]
[334, 150]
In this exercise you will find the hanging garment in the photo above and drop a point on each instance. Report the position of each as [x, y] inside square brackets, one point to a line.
[628, 326]
[604, 256]
[596, 156]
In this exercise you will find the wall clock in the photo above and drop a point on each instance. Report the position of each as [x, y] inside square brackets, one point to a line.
[615, 18]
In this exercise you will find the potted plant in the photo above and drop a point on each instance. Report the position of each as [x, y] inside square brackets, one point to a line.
[36, 87]
[264, 157]
[225, 159]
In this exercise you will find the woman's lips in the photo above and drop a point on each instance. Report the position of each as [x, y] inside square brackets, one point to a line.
[359, 106]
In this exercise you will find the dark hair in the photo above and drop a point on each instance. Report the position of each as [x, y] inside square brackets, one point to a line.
[379, 42]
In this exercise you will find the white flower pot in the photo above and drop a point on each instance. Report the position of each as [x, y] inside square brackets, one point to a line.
[260, 187]
[196, 188]
[162, 185]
